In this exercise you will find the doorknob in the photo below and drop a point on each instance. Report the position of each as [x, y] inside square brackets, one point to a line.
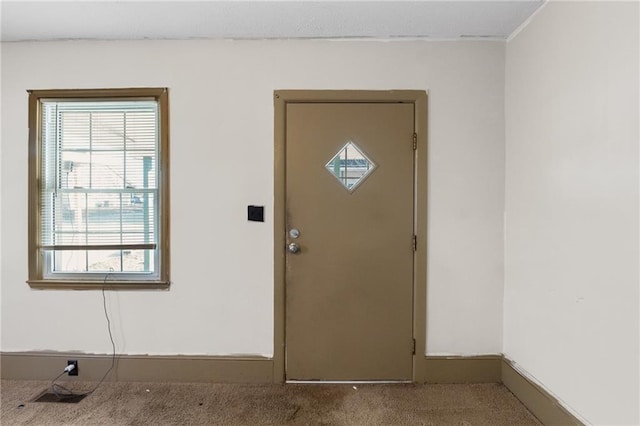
[293, 248]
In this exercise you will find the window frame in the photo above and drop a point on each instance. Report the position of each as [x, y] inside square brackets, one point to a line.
[37, 279]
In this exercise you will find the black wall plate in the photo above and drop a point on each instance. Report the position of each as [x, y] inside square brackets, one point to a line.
[255, 213]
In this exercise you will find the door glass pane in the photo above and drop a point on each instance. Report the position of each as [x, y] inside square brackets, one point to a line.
[350, 166]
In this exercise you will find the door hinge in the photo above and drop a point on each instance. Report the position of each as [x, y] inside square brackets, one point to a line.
[415, 243]
[415, 141]
[414, 346]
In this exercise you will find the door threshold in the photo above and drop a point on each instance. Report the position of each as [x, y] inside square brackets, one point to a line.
[348, 382]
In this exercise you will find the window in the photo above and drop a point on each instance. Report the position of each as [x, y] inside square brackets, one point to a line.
[98, 188]
[350, 166]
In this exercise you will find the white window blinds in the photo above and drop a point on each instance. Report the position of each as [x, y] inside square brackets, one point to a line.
[99, 185]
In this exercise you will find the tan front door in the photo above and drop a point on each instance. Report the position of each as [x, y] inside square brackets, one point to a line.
[350, 201]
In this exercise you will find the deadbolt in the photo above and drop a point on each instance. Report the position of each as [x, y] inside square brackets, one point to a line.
[294, 233]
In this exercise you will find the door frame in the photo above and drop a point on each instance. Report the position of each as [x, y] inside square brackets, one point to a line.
[419, 99]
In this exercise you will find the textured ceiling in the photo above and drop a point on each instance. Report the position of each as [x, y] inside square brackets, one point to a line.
[54, 20]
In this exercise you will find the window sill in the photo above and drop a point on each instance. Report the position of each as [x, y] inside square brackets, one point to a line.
[97, 285]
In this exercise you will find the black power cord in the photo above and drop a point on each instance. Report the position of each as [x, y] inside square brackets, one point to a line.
[62, 392]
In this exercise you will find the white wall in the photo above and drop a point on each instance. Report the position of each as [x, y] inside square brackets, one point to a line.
[572, 275]
[221, 300]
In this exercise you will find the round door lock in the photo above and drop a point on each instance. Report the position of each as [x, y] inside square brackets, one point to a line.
[294, 233]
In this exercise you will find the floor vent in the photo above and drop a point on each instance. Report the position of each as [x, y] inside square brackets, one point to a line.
[48, 396]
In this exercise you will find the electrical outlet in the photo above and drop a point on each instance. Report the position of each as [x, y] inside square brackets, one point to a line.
[73, 372]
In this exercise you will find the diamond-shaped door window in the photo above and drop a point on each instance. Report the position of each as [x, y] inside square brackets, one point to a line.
[350, 166]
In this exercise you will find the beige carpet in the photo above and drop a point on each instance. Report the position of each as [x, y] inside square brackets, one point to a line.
[223, 404]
